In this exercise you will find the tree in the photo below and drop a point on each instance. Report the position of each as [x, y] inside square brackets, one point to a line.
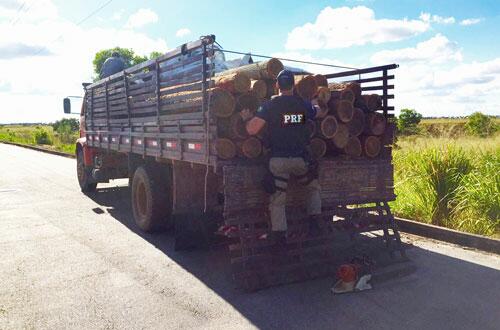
[155, 54]
[129, 56]
[66, 125]
[408, 121]
[480, 124]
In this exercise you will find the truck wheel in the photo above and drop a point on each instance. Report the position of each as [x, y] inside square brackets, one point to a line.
[151, 198]
[84, 178]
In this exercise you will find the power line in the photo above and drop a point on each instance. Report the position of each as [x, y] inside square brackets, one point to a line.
[77, 24]
[19, 13]
[288, 59]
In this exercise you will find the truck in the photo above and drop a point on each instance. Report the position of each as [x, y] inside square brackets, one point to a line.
[154, 124]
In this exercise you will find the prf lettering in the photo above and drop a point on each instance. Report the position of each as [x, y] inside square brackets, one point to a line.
[293, 118]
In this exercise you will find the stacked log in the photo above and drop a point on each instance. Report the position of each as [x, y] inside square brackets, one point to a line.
[245, 87]
[352, 128]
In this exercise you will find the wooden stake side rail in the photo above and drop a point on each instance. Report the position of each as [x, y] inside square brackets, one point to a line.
[156, 108]
[379, 75]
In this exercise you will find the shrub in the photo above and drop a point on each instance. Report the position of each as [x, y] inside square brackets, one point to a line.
[408, 120]
[480, 125]
[42, 136]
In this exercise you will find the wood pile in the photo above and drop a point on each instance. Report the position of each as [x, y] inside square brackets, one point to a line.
[352, 127]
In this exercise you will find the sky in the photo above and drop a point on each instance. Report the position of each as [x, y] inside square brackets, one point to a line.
[448, 51]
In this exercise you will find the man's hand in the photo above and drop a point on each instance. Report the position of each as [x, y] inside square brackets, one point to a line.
[246, 114]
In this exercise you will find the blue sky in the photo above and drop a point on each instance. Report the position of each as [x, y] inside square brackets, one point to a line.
[448, 51]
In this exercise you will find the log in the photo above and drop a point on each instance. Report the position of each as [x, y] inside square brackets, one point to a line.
[237, 127]
[328, 127]
[357, 123]
[234, 83]
[248, 101]
[353, 147]
[250, 147]
[271, 88]
[321, 80]
[311, 127]
[371, 146]
[318, 148]
[225, 148]
[341, 109]
[334, 86]
[222, 103]
[375, 123]
[373, 101]
[341, 137]
[347, 95]
[259, 88]
[305, 86]
[355, 88]
[260, 70]
[323, 94]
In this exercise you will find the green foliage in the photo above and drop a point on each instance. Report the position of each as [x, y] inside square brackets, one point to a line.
[155, 54]
[408, 121]
[128, 55]
[42, 136]
[452, 183]
[66, 124]
[481, 125]
[38, 135]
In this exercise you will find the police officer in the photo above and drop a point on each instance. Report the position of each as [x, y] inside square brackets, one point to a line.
[286, 116]
[112, 65]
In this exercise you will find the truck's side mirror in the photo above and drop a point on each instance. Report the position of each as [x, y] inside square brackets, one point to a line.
[67, 105]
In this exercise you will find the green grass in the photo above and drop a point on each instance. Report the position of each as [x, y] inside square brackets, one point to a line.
[39, 135]
[449, 182]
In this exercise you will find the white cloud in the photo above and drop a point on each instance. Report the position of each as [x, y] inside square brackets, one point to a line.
[182, 32]
[438, 49]
[470, 21]
[426, 17]
[32, 85]
[344, 27]
[143, 16]
[117, 15]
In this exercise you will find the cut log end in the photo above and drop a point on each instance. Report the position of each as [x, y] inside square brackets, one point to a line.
[343, 110]
[375, 123]
[328, 127]
[323, 94]
[306, 87]
[237, 127]
[353, 147]
[357, 123]
[248, 101]
[222, 103]
[355, 88]
[341, 137]
[225, 148]
[371, 146]
[373, 101]
[251, 147]
[318, 148]
[321, 80]
[347, 95]
[311, 127]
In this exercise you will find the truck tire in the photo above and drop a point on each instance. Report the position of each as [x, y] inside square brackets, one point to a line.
[85, 180]
[151, 198]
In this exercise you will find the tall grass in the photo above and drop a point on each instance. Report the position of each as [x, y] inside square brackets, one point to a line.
[449, 182]
[42, 135]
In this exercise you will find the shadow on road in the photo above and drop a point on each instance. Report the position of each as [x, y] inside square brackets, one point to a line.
[444, 292]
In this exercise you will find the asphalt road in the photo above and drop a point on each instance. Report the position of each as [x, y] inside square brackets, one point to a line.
[70, 261]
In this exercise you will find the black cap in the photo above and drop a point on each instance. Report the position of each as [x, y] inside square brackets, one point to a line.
[285, 79]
